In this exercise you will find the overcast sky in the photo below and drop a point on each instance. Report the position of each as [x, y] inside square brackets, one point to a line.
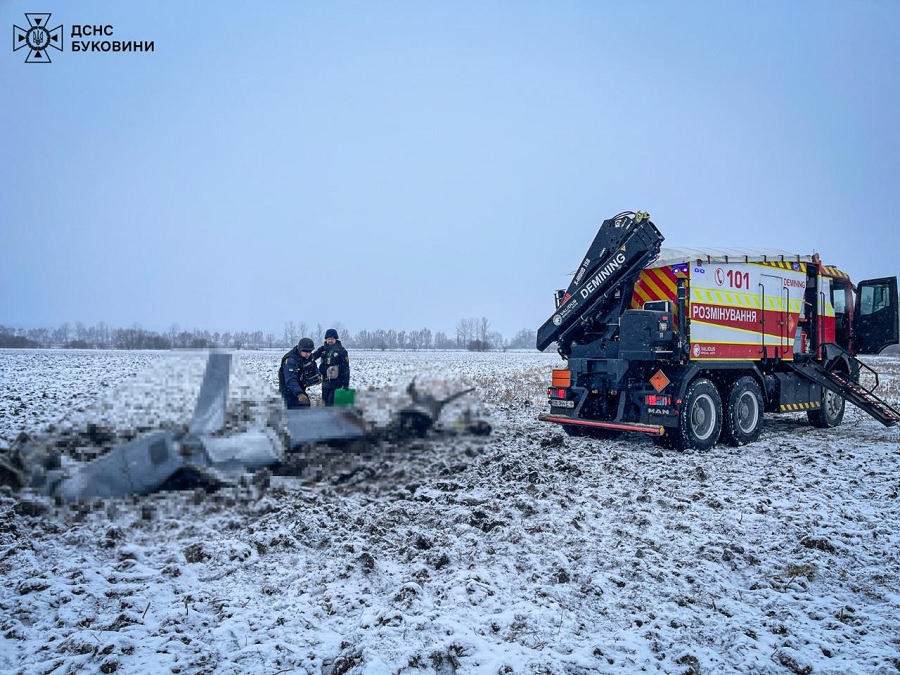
[409, 164]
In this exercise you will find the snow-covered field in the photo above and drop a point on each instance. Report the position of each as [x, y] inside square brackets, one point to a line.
[521, 552]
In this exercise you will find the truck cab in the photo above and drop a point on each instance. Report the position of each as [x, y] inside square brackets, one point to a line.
[874, 326]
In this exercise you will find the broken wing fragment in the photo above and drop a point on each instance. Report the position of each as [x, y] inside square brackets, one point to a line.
[138, 467]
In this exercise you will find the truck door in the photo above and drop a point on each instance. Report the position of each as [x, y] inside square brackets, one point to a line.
[782, 295]
[875, 316]
[842, 301]
[773, 325]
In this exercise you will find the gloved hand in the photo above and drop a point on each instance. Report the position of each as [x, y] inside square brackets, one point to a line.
[303, 399]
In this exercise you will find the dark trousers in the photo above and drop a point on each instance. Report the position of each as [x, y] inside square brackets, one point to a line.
[328, 396]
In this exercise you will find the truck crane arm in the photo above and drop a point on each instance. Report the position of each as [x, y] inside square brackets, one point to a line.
[623, 246]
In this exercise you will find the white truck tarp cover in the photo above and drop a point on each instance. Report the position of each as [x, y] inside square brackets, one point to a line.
[675, 256]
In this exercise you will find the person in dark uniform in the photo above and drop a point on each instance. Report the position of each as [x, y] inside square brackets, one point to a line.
[298, 371]
[334, 366]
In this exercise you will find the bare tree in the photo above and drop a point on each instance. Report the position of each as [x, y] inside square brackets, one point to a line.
[441, 341]
[483, 328]
[471, 333]
[465, 332]
[420, 339]
[61, 334]
[103, 334]
[39, 335]
[524, 339]
[290, 333]
[425, 338]
[380, 339]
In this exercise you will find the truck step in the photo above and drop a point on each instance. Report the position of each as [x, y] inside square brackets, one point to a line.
[840, 384]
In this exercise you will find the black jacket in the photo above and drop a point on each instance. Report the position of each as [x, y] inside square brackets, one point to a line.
[333, 356]
[295, 373]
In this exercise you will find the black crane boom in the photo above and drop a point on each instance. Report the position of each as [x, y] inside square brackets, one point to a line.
[623, 246]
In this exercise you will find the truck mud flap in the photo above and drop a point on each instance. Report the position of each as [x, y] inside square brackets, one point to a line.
[653, 429]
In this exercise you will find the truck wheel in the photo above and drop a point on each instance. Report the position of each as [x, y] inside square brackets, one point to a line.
[830, 414]
[701, 417]
[744, 414]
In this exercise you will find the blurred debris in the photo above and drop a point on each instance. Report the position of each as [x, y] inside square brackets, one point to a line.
[208, 455]
[415, 420]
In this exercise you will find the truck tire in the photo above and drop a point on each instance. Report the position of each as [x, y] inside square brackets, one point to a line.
[700, 421]
[830, 414]
[744, 412]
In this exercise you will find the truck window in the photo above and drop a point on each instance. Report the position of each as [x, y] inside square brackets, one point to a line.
[873, 299]
[839, 299]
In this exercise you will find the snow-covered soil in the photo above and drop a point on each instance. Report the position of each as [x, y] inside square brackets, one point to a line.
[525, 551]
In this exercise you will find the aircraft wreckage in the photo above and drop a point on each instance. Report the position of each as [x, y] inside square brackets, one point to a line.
[150, 462]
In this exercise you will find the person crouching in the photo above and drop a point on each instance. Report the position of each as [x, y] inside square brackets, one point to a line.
[298, 371]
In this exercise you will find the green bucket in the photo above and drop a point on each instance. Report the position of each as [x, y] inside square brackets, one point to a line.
[344, 397]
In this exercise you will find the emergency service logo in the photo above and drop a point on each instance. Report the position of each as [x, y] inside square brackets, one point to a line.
[37, 38]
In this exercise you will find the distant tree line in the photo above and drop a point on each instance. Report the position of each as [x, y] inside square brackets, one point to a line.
[471, 334]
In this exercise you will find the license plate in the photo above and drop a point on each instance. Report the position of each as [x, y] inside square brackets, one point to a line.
[554, 403]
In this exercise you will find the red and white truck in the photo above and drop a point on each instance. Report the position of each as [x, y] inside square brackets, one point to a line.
[693, 345]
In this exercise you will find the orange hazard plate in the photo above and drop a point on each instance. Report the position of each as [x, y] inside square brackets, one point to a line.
[561, 378]
[659, 381]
